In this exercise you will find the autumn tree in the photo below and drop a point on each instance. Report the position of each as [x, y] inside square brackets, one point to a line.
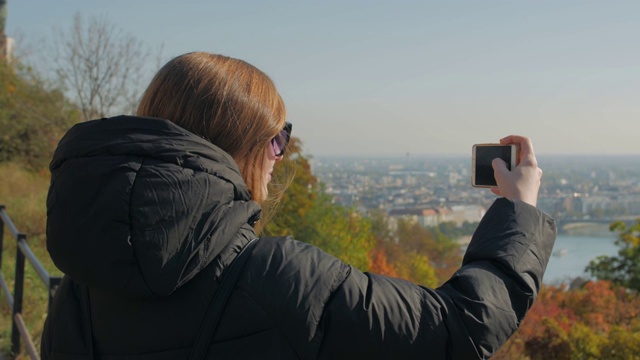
[443, 254]
[380, 264]
[621, 344]
[296, 191]
[597, 321]
[305, 212]
[99, 65]
[624, 269]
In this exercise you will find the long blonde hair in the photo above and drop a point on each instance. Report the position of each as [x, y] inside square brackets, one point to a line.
[227, 101]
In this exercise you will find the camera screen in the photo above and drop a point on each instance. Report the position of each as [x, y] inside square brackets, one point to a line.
[484, 157]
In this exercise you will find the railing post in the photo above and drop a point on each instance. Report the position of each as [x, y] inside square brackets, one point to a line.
[17, 296]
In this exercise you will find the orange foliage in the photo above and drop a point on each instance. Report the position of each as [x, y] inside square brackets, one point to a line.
[576, 323]
[550, 304]
[380, 265]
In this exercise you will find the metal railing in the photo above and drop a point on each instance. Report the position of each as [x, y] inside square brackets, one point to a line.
[19, 330]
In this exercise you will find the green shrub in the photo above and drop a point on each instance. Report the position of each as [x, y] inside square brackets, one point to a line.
[33, 116]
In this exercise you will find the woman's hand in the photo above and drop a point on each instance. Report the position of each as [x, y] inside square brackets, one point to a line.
[523, 182]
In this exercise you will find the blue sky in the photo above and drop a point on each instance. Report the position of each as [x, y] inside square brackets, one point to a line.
[397, 77]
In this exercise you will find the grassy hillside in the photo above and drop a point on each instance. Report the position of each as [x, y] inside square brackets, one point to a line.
[23, 193]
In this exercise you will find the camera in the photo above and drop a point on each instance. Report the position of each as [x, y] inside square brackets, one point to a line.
[482, 156]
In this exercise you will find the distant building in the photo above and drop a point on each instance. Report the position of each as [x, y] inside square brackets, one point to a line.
[7, 51]
[631, 204]
[573, 203]
[444, 215]
[409, 215]
[430, 217]
[550, 205]
[6, 43]
[467, 213]
[591, 203]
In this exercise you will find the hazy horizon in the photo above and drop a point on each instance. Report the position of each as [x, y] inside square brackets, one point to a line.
[607, 157]
[419, 77]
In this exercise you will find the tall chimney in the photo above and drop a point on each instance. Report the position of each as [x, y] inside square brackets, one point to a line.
[3, 21]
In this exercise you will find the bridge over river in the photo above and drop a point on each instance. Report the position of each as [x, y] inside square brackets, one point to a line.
[600, 225]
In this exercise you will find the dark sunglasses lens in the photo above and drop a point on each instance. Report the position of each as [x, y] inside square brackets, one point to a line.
[279, 142]
[282, 139]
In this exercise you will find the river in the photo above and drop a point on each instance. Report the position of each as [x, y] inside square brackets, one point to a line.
[572, 253]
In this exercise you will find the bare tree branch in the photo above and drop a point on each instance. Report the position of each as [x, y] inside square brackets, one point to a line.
[99, 65]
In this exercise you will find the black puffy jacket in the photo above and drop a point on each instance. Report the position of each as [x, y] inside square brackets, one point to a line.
[143, 217]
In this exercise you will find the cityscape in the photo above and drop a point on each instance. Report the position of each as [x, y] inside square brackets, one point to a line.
[578, 191]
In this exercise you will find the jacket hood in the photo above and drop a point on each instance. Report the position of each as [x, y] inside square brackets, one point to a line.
[141, 205]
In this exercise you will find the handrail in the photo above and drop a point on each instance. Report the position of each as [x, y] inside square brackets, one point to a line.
[19, 330]
[6, 219]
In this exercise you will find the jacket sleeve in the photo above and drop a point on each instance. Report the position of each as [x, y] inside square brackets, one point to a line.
[469, 317]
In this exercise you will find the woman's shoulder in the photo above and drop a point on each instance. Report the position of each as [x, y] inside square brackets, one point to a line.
[284, 255]
[305, 272]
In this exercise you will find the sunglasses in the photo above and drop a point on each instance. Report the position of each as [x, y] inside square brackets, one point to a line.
[280, 141]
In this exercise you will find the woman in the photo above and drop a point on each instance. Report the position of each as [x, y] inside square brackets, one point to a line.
[146, 213]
